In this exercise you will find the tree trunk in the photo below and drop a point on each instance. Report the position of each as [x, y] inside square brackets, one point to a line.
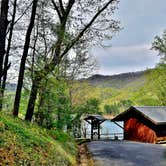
[32, 99]
[23, 60]
[3, 28]
[39, 117]
[6, 61]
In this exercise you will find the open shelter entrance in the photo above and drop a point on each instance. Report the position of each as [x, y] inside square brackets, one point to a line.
[95, 121]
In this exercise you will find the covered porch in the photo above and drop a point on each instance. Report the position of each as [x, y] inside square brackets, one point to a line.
[101, 127]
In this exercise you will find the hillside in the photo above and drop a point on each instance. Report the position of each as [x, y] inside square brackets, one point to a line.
[117, 81]
[23, 143]
[118, 92]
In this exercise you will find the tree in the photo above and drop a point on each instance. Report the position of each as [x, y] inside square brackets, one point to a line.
[157, 77]
[7, 64]
[84, 30]
[90, 106]
[9, 9]
[159, 44]
[111, 109]
[3, 31]
[156, 84]
[23, 59]
[54, 109]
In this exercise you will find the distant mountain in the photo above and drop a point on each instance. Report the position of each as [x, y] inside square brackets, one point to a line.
[124, 80]
[118, 81]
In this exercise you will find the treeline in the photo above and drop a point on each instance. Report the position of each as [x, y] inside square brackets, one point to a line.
[44, 48]
[147, 90]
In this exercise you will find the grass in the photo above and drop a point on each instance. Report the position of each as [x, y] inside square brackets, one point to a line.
[23, 143]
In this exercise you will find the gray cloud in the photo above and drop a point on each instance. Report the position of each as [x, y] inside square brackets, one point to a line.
[125, 59]
[142, 21]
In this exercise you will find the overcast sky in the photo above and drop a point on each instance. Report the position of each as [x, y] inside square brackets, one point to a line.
[141, 21]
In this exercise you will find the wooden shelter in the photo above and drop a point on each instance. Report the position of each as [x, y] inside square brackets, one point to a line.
[95, 122]
[144, 124]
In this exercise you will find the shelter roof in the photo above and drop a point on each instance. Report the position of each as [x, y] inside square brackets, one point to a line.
[95, 117]
[156, 114]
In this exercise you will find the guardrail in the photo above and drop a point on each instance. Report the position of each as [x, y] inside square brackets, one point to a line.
[111, 136]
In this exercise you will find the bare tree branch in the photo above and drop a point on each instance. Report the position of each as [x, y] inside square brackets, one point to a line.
[24, 12]
[57, 9]
[69, 6]
[62, 7]
[86, 27]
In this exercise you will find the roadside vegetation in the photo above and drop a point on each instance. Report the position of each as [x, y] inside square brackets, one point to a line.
[22, 143]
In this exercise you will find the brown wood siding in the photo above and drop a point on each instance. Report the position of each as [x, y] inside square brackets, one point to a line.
[137, 131]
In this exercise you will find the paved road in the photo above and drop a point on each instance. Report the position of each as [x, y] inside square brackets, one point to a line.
[126, 153]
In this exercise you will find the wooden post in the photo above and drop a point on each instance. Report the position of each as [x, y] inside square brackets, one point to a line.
[98, 130]
[92, 130]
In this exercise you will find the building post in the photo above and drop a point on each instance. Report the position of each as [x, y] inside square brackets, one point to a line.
[98, 126]
[92, 129]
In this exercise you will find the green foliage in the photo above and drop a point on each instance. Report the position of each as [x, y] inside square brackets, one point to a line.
[115, 108]
[23, 143]
[157, 83]
[53, 105]
[147, 90]
[159, 44]
[8, 102]
[157, 77]
[111, 109]
[91, 106]
[23, 102]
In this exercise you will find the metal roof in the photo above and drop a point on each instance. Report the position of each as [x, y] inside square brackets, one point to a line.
[156, 114]
[97, 117]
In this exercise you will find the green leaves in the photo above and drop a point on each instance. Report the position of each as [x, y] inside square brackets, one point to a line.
[91, 106]
[54, 106]
[159, 44]
[157, 83]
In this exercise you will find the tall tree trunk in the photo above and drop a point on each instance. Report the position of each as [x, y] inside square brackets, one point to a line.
[6, 62]
[23, 60]
[32, 99]
[3, 28]
[40, 114]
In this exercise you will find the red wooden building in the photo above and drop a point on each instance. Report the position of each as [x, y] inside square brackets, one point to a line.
[144, 124]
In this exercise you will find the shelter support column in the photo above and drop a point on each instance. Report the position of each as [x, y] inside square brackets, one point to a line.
[92, 130]
[98, 130]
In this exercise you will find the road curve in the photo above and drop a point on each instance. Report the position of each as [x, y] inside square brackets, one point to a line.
[126, 153]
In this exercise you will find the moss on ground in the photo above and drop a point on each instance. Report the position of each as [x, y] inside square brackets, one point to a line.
[23, 143]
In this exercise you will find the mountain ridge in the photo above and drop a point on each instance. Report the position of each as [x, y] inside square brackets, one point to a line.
[117, 80]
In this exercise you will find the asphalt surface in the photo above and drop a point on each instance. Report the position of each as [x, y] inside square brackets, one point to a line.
[126, 153]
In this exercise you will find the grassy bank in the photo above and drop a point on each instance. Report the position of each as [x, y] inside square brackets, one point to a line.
[23, 143]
